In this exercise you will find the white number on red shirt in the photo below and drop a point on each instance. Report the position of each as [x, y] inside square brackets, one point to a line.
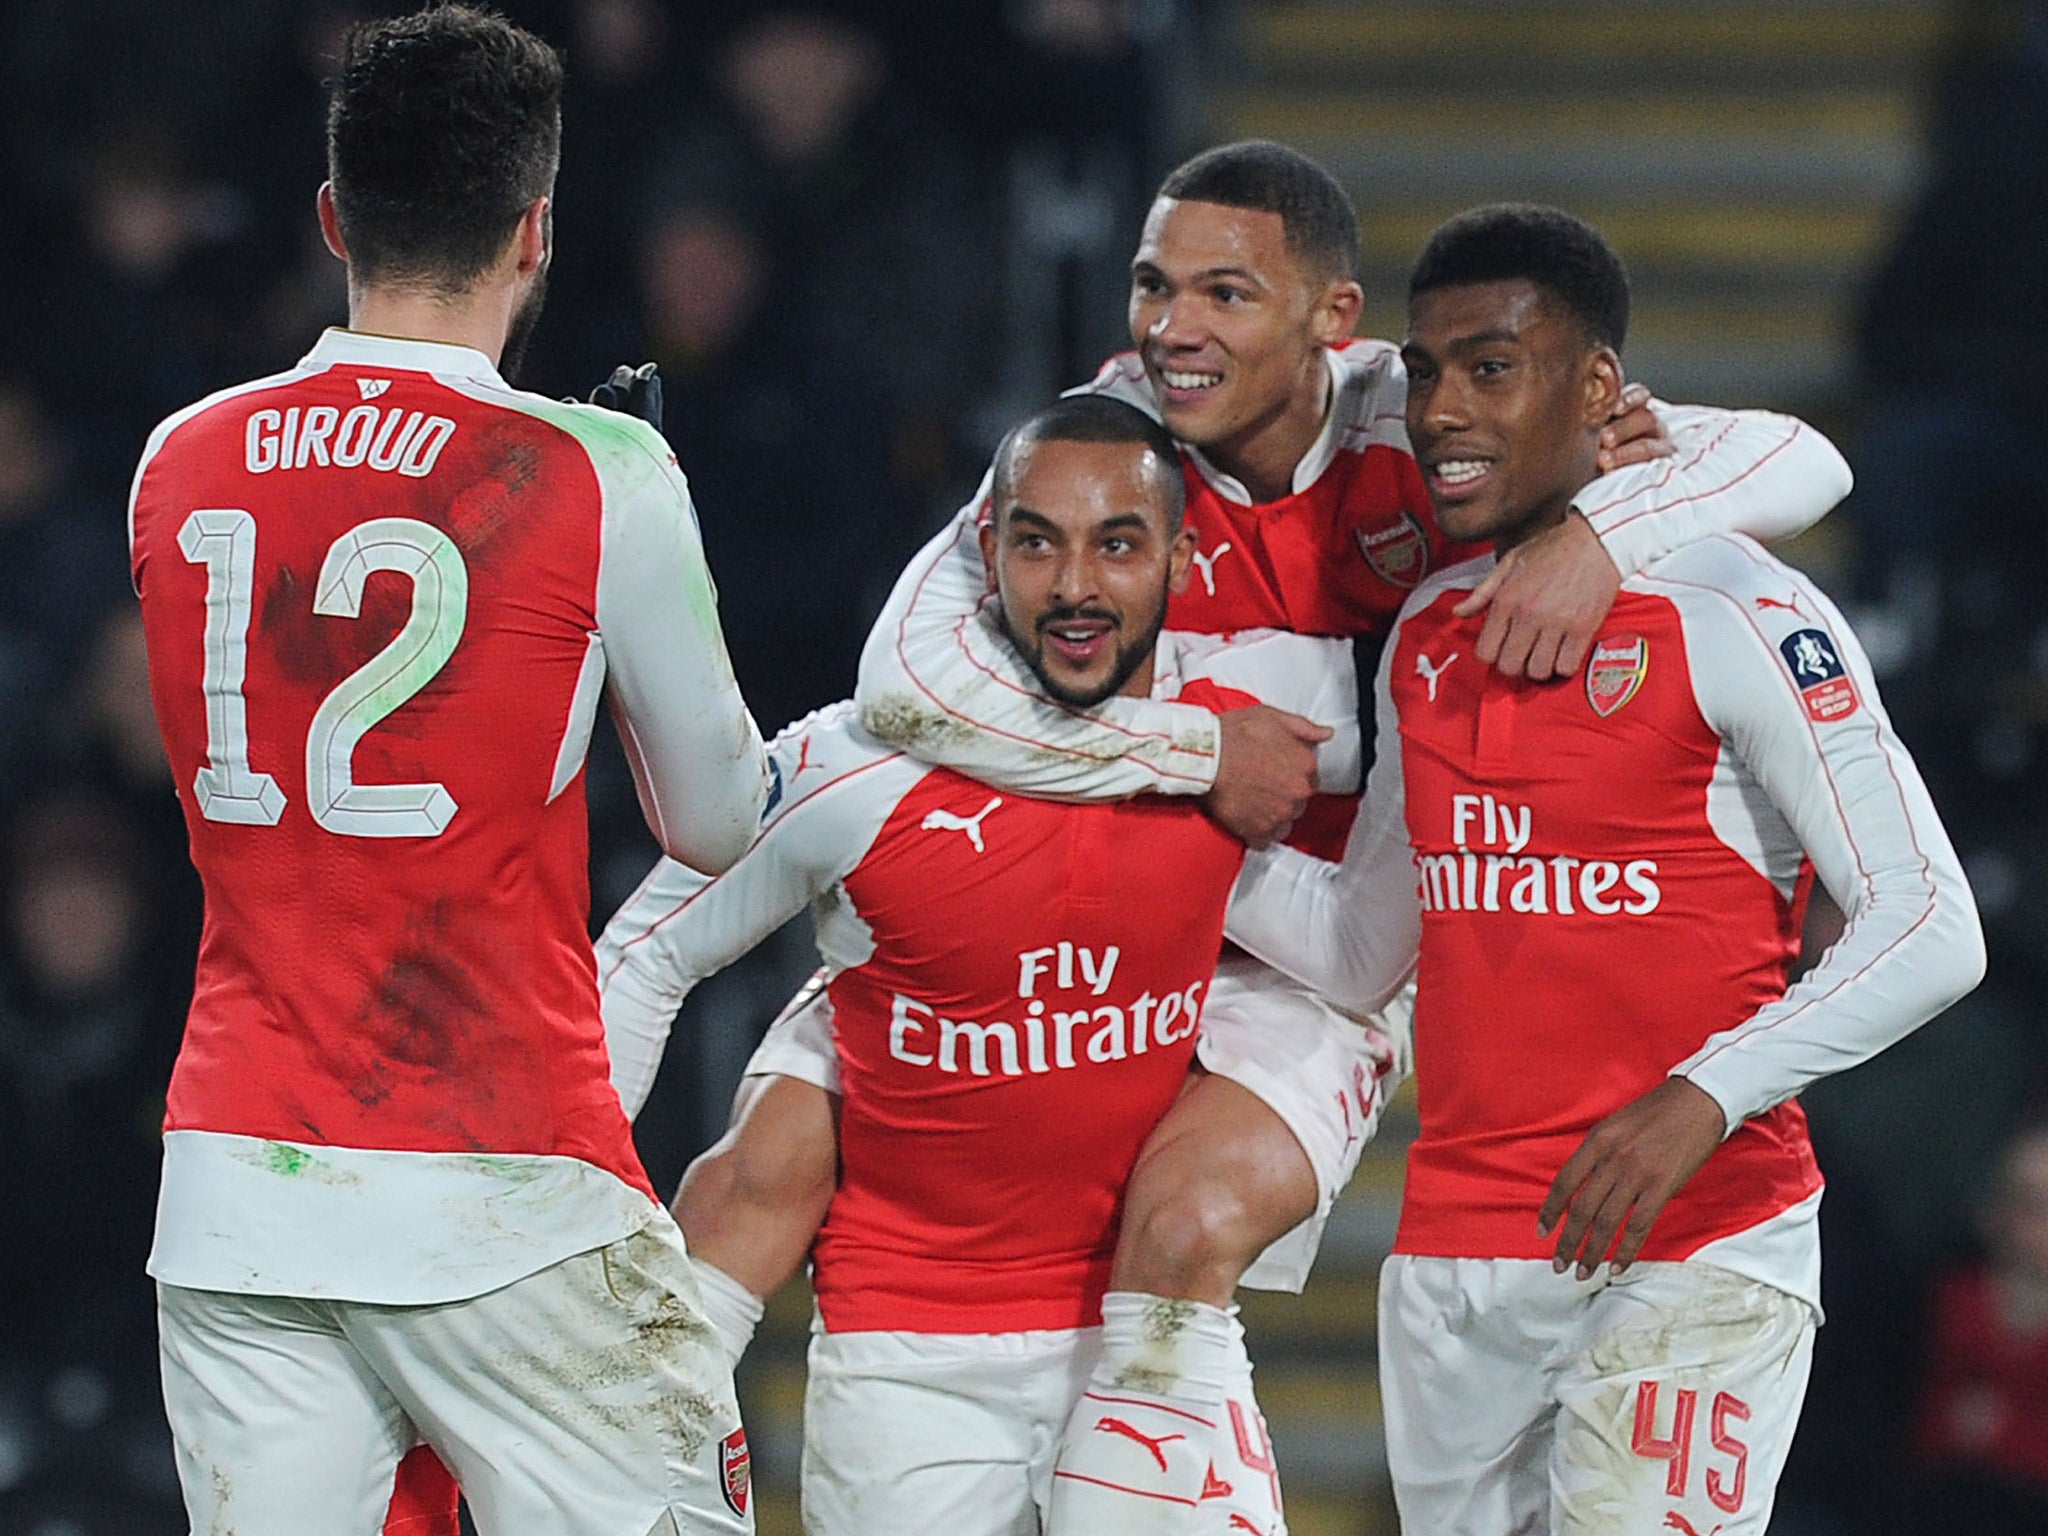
[228, 789]
[223, 539]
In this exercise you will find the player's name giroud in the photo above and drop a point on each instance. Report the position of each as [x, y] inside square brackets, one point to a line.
[369, 437]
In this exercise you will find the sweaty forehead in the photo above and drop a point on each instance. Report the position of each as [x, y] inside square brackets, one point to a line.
[1082, 483]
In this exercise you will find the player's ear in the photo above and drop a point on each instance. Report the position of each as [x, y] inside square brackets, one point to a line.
[1180, 558]
[1337, 311]
[330, 221]
[535, 236]
[987, 533]
[1604, 380]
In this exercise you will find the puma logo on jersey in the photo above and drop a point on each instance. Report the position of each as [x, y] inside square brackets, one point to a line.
[1791, 607]
[803, 761]
[1430, 672]
[372, 388]
[1673, 1520]
[946, 821]
[1206, 564]
[1132, 1432]
[1240, 1523]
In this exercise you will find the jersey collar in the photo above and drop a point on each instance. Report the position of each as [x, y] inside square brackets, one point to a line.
[1312, 464]
[339, 345]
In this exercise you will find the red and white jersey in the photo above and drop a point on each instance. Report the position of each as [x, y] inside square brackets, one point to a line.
[1336, 556]
[383, 593]
[1016, 986]
[1599, 882]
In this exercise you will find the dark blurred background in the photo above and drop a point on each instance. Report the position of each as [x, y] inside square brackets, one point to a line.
[862, 238]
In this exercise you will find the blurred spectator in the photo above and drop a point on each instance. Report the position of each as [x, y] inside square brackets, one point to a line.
[87, 1031]
[1982, 1442]
[872, 222]
[1950, 334]
[780, 427]
[139, 311]
[61, 561]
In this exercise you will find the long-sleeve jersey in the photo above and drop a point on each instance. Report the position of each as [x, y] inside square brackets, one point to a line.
[1016, 988]
[383, 595]
[1598, 882]
[1336, 556]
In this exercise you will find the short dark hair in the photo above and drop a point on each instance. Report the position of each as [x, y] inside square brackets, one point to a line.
[1321, 224]
[1094, 419]
[1566, 257]
[442, 129]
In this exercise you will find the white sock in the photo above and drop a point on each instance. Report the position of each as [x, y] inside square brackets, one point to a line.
[1135, 1455]
[732, 1310]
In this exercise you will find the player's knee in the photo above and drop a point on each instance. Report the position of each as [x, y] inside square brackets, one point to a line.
[1190, 1240]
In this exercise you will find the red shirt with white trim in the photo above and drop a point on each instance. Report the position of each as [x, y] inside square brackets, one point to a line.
[1016, 987]
[1337, 555]
[1599, 883]
[382, 595]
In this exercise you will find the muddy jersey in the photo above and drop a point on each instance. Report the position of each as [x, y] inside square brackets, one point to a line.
[1337, 555]
[383, 594]
[1599, 882]
[1016, 987]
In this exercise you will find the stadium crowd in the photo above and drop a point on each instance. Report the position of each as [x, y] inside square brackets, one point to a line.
[810, 217]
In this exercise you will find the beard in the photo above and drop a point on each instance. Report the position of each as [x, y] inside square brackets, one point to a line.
[1129, 657]
[513, 358]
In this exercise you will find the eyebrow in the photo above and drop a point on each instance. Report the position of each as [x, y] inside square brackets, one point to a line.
[1118, 521]
[1482, 339]
[1205, 275]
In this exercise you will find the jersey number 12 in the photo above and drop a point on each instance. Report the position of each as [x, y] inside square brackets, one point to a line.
[223, 539]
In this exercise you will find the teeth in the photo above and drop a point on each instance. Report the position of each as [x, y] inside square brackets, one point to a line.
[1189, 380]
[1460, 471]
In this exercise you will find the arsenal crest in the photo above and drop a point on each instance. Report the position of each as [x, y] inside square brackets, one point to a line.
[1398, 553]
[1615, 671]
[736, 1470]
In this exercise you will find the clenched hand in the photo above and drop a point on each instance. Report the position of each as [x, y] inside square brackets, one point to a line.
[1265, 772]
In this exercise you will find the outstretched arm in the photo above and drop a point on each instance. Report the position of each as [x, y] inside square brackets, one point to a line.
[1819, 746]
[938, 679]
[1752, 472]
[681, 926]
[1350, 930]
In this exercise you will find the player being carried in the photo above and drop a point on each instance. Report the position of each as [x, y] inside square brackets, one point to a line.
[1310, 515]
[384, 593]
[1017, 987]
[1604, 885]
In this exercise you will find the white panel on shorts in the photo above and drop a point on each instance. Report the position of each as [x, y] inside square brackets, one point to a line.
[1518, 1399]
[589, 1399]
[958, 1432]
[1320, 1071]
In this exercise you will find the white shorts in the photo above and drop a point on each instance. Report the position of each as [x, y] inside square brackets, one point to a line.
[957, 1432]
[1520, 1402]
[1325, 1075]
[586, 1398]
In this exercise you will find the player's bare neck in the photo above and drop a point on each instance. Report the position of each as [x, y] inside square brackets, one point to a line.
[1264, 457]
[479, 318]
[1528, 527]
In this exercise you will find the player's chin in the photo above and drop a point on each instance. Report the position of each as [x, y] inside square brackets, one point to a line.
[1194, 417]
[1467, 520]
[1078, 689]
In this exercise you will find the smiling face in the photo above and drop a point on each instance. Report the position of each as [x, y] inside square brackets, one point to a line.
[1231, 326]
[1506, 398]
[1085, 559]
